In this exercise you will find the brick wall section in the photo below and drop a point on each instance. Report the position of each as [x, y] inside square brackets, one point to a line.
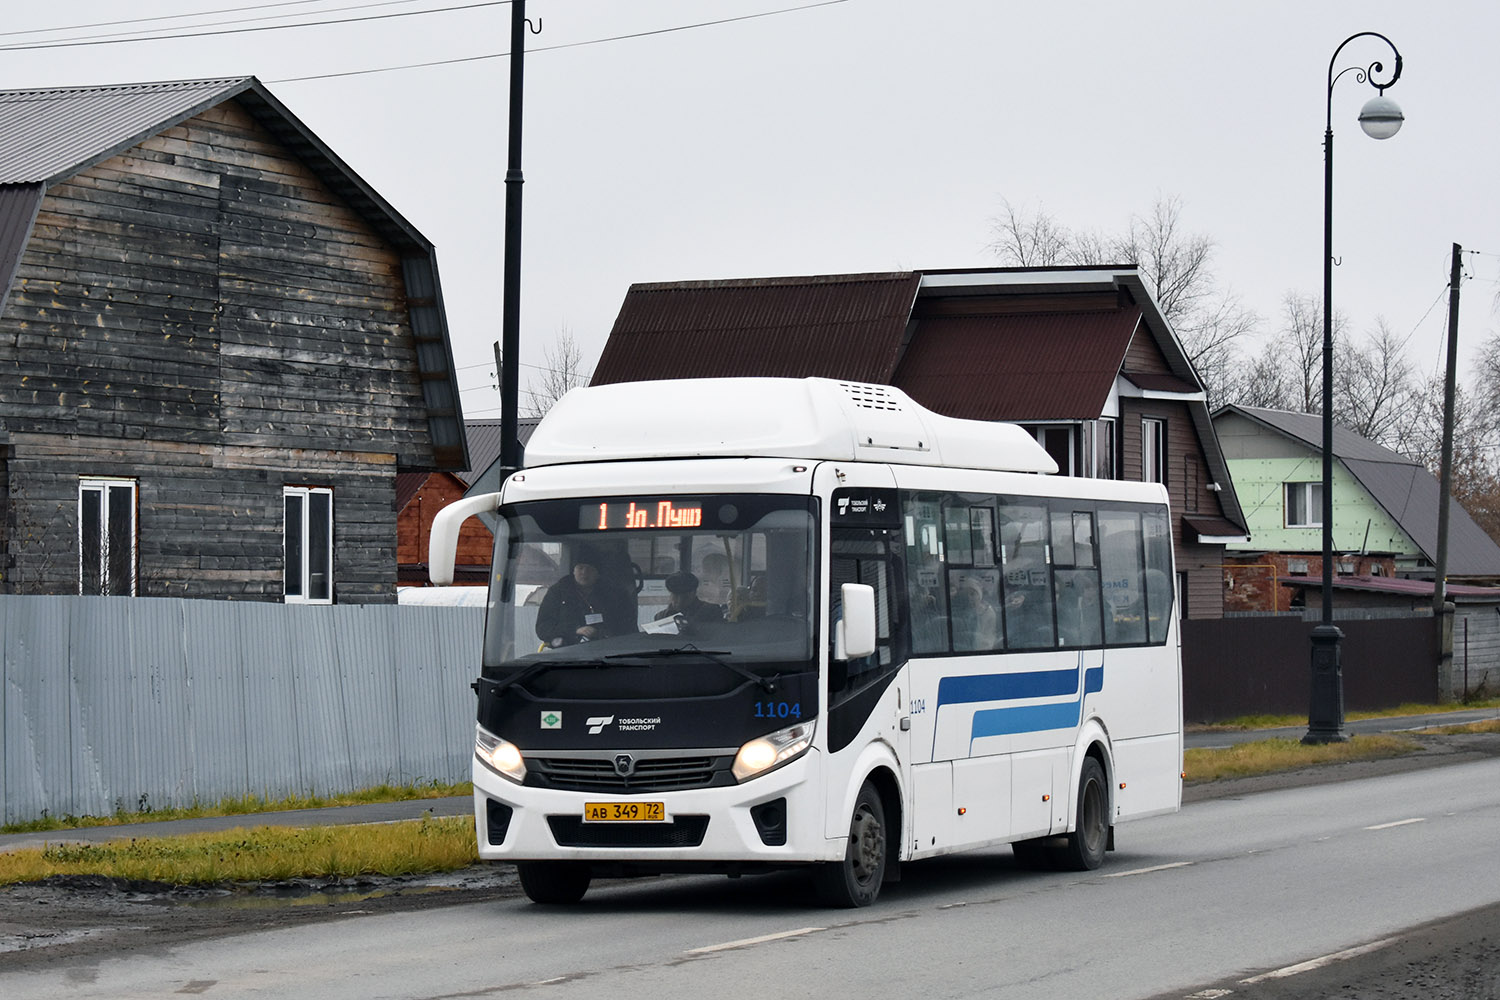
[414, 529]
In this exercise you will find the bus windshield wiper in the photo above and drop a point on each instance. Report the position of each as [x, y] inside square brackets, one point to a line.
[535, 670]
[768, 684]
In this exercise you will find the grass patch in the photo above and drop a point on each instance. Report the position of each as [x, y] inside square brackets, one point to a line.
[1246, 722]
[246, 805]
[1270, 756]
[261, 854]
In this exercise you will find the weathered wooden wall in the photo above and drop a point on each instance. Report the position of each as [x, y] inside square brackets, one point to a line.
[201, 313]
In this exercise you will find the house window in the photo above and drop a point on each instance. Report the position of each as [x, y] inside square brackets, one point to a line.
[1304, 505]
[1296, 567]
[308, 543]
[1153, 450]
[1061, 442]
[106, 537]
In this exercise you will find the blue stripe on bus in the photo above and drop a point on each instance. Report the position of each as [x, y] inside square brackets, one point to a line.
[1036, 718]
[1007, 687]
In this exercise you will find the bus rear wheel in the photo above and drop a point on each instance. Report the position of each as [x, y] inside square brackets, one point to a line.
[561, 882]
[1083, 851]
[856, 880]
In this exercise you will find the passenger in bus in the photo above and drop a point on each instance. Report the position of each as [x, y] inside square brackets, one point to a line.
[581, 607]
[682, 599]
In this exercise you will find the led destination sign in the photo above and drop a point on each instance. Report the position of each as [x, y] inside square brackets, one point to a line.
[647, 514]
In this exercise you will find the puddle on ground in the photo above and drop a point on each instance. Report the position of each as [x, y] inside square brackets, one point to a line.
[284, 894]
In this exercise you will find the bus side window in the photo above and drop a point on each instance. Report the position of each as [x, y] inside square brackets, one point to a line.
[1076, 573]
[1027, 579]
[927, 594]
[1120, 564]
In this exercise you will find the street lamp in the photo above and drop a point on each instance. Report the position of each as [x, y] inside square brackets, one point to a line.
[1380, 118]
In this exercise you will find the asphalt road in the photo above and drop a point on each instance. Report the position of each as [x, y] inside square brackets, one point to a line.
[388, 812]
[1229, 890]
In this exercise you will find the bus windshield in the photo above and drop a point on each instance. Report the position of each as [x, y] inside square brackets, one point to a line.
[606, 581]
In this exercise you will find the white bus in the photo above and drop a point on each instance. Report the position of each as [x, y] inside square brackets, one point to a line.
[739, 625]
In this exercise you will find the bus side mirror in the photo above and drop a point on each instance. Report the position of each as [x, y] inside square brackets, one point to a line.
[442, 544]
[854, 635]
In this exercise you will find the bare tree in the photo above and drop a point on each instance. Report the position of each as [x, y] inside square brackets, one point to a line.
[1176, 266]
[1030, 239]
[562, 369]
[1375, 387]
[1476, 471]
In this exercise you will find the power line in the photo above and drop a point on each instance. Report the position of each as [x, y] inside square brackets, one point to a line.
[111, 40]
[553, 48]
[160, 17]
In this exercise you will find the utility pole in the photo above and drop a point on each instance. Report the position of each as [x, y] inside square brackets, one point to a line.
[510, 317]
[1445, 488]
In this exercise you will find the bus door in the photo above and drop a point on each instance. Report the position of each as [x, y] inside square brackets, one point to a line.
[865, 701]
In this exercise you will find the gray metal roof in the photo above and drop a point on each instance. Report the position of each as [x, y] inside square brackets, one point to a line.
[1402, 487]
[49, 135]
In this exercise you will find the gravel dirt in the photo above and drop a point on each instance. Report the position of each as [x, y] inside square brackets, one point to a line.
[62, 919]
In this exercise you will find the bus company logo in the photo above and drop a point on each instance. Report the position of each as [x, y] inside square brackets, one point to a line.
[551, 720]
[843, 506]
[596, 723]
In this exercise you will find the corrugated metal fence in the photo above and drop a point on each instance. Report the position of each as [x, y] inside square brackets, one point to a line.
[1263, 664]
[115, 703]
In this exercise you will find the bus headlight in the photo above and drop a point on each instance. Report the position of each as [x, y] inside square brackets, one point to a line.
[765, 753]
[501, 756]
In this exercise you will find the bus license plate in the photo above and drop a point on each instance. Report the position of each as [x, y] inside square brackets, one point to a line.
[624, 812]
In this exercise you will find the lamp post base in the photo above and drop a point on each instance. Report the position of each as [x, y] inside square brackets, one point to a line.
[1325, 715]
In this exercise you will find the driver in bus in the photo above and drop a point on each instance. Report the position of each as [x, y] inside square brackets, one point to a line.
[580, 607]
[682, 599]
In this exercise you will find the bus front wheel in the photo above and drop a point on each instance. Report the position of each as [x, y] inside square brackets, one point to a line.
[855, 881]
[1083, 851]
[553, 881]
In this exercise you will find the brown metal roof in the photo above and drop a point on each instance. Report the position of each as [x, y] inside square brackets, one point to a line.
[1038, 366]
[836, 326]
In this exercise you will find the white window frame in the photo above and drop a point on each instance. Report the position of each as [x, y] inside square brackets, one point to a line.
[1153, 450]
[1312, 512]
[1103, 460]
[298, 591]
[104, 486]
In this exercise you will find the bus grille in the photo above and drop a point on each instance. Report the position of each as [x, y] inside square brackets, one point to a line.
[684, 831]
[652, 774]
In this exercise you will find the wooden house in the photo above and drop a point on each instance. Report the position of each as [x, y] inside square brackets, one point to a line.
[1082, 357]
[218, 347]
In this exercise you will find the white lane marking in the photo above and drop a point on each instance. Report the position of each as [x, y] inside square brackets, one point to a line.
[1147, 871]
[1318, 963]
[747, 942]
[1399, 822]
[1209, 994]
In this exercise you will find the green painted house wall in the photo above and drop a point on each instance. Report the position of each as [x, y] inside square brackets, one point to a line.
[1359, 523]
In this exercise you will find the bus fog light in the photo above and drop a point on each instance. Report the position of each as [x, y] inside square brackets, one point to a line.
[765, 753]
[501, 756]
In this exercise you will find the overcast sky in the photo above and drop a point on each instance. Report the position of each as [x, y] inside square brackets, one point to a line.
[866, 135]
